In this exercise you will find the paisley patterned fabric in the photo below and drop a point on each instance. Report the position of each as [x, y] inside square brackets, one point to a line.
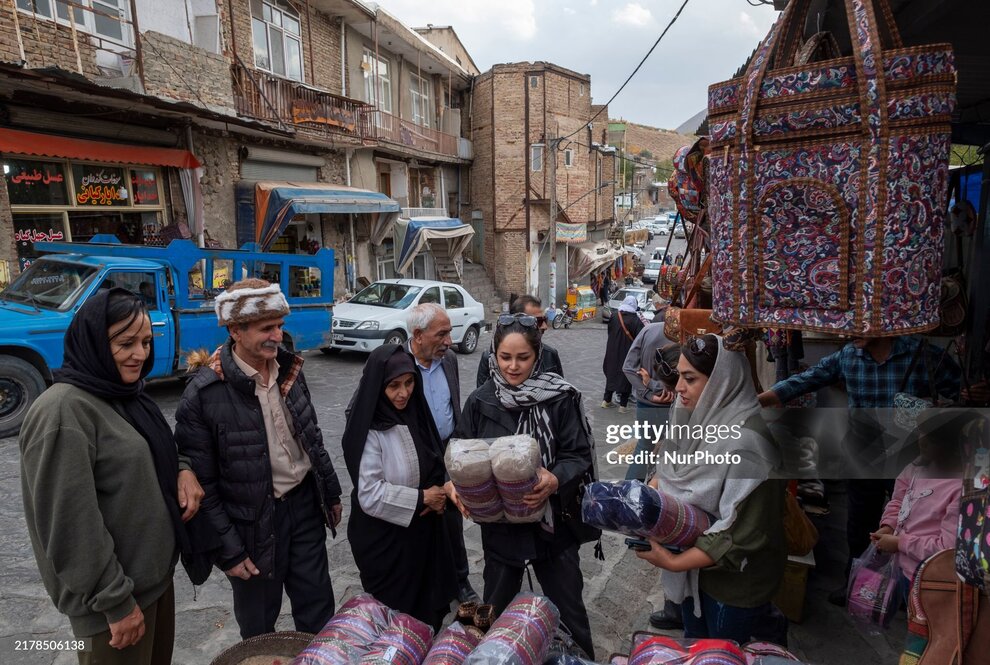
[816, 225]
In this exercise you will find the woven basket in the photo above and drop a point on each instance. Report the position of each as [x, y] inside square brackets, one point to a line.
[281, 648]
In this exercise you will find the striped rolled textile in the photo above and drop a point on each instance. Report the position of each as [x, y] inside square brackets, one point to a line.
[567, 659]
[516, 461]
[766, 653]
[405, 641]
[453, 645]
[469, 466]
[619, 659]
[521, 635]
[657, 650]
[636, 509]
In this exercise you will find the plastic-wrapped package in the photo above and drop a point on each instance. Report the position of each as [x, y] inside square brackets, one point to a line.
[453, 645]
[619, 659]
[469, 466]
[636, 509]
[515, 462]
[405, 641]
[569, 660]
[651, 649]
[521, 635]
[768, 653]
[871, 593]
[365, 631]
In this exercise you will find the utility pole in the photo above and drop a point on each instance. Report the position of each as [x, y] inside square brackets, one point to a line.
[552, 142]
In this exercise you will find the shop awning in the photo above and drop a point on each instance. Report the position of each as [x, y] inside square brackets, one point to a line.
[16, 142]
[412, 235]
[590, 256]
[278, 202]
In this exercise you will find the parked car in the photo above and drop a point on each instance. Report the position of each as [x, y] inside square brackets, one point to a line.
[377, 314]
[679, 231]
[652, 272]
[642, 299]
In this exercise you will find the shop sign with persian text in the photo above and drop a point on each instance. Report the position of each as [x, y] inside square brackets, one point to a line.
[100, 185]
[35, 183]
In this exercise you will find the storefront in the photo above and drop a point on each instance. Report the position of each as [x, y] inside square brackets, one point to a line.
[71, 190]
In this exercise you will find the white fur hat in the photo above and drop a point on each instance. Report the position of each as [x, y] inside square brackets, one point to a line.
[250, 300]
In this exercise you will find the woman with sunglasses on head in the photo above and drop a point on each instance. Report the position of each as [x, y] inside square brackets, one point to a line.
[622, 330]
[519, 400]
[726, 580]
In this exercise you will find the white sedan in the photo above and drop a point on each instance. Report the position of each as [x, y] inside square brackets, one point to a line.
[377, 315]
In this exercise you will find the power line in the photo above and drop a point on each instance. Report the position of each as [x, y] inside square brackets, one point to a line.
[641, 63]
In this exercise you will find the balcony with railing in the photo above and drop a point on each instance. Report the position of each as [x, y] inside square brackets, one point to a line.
[391, 129]
[294, 105]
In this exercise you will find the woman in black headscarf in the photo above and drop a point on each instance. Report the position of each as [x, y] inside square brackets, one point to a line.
[395, 459]
[106, 498]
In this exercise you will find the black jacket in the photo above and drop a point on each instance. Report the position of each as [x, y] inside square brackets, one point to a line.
[485, 418]
[219, 426]
[549, 362]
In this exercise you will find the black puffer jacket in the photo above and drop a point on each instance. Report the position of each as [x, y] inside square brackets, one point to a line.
[219, 426]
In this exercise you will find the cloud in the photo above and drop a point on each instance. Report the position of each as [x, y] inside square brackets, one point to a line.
[633, 14]
[513, 19]
[569, 11]
[748, 27]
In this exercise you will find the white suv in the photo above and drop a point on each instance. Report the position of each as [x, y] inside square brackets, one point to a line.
[377, 315]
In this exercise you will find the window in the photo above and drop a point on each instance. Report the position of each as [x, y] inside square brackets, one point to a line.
[139, 283]
[452, 298]
[432, 294]
[377, 81]
[277, 38]
[536, 157]
[568, 158]
[99, 17]
[580, 90]
[419, 90]
[534, 81]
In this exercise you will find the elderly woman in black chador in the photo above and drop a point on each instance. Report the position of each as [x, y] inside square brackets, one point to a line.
[395, 459]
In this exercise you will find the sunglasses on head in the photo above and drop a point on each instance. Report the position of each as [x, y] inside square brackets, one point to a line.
[525, 320]
[665, 367]
[696, 344]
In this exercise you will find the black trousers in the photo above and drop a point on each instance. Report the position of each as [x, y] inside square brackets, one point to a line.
[455, 527]
[623, 397]
[561, 581]
[865, 508]
[301, 568]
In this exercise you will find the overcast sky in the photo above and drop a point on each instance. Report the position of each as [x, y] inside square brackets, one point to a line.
[606, 39]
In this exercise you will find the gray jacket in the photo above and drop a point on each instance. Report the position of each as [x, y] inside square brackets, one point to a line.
[641, 354]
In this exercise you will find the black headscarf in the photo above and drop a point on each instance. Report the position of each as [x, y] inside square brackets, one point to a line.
[89, 365]
[371, 409]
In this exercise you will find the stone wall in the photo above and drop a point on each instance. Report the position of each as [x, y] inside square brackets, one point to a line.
[8, 248]
[46, 44]
[174, 69]
[221, 169]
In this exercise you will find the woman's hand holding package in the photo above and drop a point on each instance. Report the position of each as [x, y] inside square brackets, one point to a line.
[190, 494]
[435, 499]
[689, 559]
[129, 630]
[546, 485]
[451, 492]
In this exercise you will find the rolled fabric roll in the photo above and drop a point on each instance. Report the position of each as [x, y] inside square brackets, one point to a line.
[469, 466]
[348, 634]
[521, 635]
[656, 650]
[405, 641]
[636, 509]
[768, 653]
[516, 461]
[619, 659]
[453, 645]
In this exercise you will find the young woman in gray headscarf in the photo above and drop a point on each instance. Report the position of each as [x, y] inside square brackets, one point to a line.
[726, 580]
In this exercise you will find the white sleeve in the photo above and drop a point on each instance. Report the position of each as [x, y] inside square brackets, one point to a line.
[394, 503]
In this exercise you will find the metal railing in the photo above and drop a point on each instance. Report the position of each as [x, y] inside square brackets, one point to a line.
[267, 97]
[391, 129]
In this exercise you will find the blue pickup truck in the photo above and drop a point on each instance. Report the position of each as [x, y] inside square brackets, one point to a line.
[178, 283]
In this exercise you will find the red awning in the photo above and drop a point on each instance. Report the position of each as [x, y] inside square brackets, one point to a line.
[16, 142]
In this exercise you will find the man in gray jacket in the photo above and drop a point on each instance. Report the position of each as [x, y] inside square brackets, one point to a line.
[429, 341]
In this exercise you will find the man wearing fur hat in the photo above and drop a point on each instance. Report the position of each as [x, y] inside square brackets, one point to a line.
[248, 426]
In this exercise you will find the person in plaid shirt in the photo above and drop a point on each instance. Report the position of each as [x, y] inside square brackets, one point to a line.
[873, 370]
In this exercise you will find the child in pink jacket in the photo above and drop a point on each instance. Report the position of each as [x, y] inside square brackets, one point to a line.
[920, 519]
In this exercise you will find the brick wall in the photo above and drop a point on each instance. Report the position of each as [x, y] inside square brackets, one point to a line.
[221, 169]
[8, 248]
[177, 70]
[46, 44]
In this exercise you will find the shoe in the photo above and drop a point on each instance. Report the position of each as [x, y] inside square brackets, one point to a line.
[466, 612]
[483, 617]
[838, 597]
[607, 405]
[661, 621]
[467, 594]
[623, 409]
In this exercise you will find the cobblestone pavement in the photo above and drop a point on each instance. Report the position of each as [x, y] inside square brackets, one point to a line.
[620, 592]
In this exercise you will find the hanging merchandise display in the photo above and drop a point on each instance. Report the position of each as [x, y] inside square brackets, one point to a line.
[827, 181]
[687, 182]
